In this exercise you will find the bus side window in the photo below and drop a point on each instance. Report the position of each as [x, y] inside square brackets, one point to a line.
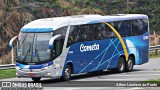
[110, 33]
[72, 36]
[144, 26]
[136, 27]
[100, 31]
[83, 32]
[96, 30]
[139, 26]
[59, 42]
[103, 32]
[124, 28]
[90, 32]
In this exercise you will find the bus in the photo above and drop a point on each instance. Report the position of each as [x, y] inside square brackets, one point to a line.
[59, 47]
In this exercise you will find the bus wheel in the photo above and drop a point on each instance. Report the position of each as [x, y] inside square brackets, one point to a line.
[121, 65]
[36, 79]
[67, 73]
[129, 64]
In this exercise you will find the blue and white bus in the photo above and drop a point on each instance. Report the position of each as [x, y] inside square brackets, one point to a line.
[62, 46]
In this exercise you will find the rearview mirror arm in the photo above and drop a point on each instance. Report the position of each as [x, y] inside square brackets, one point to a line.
[52, 41]
[11, 47]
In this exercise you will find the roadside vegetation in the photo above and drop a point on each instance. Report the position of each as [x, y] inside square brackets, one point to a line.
[157, 81]
[7, 73]
[153, 54]
[16, 13]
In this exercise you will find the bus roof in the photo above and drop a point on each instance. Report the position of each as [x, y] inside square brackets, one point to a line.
[50, 24]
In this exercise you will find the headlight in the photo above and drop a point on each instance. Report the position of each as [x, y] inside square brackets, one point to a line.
[45, 67]
[48, 67]
[17, 68]
[49, 73]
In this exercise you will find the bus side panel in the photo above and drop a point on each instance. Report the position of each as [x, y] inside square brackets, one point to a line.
[114, 50]
[103, 57]
[145, 49]
[108, 53]
[139, 46]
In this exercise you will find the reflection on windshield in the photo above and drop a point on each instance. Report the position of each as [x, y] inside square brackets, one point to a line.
[33, 47]
[59, 42]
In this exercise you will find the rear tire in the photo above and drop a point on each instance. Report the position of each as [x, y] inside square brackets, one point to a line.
[36, 79]
[67, 73]
[121, 65]
[129, 64]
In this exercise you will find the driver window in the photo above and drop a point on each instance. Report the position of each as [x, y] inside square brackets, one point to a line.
[59, 42]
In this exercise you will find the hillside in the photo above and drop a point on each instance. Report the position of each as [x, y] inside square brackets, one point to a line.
[16, 13]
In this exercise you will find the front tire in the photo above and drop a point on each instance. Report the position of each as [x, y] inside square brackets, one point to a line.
[36, 79]
[129, 64]
[67, 73]
[121, 65]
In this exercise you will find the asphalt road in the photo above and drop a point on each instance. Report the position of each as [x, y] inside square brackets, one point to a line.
[148, 71]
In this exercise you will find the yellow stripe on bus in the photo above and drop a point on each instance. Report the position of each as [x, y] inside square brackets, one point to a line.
[121, 40]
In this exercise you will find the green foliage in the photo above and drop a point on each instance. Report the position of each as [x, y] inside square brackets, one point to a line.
[55, 4]
[67, 7]
[9, 5]
[157, 81]
[47, 4]
[35, 9]
[7, 73]
[103, 1]
[153, 54]
[148, 7]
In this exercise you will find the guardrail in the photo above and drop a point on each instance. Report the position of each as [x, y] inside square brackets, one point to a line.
[156, 48]
[9, 66]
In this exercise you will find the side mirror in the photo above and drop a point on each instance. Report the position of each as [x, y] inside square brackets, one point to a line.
[52, 41]
[11, 42]
[11, 47]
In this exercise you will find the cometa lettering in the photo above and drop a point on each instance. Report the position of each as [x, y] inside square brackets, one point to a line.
[93, 47]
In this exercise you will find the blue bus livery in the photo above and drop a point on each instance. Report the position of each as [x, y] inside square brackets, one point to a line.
[61, 46]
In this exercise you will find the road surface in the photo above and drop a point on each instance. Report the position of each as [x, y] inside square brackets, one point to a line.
[148, 71]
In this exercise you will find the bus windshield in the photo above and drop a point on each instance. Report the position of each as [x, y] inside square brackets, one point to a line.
[32, 48]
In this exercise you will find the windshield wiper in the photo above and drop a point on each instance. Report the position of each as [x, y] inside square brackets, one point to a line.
[29, 49]
[36, 51]
[24, 38]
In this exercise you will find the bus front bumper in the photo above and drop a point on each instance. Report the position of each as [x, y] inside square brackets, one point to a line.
[46, 73]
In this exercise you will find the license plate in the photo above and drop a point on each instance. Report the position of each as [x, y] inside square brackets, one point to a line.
[31, 74]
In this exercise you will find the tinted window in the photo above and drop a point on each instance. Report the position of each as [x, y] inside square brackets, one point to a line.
[80, 33]
[124, 28]
[99, 31]
[59, 42]
[135, 27]
[139, 26]
[110, 33]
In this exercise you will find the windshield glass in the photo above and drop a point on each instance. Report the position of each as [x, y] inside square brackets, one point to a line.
[33, 48]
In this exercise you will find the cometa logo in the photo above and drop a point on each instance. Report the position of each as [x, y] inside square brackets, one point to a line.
[93, 47]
